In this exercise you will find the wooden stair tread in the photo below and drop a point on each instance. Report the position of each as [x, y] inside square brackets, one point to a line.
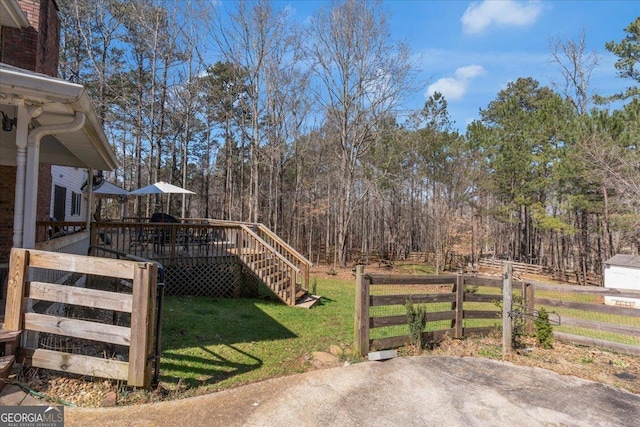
[6, 366]
[308, 301]
[6, 363]
[268, 265]
[7, 336]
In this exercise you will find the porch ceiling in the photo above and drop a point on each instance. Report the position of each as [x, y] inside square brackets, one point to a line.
[60, 100]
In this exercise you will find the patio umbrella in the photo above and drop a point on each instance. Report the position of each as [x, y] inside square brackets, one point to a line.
[107, 189]
[161, 187]
[103, 189]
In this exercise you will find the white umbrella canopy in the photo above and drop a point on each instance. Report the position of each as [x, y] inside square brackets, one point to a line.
[109, 189]
[102, 187]
[160, 187]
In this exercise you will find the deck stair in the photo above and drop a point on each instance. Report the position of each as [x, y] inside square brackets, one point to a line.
[10, 341]
[262, 252]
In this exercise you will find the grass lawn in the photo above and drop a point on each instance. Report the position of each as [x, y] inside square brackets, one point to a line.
[210, 344]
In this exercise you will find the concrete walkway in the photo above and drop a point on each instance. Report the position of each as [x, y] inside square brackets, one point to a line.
[12, 395]
[410, 391]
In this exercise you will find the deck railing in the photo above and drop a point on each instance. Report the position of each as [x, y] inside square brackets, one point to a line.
[275, 241]
[205, 240]
[50, 230]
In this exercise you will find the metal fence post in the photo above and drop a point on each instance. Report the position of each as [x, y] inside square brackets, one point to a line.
[507, 302]
[459, 308]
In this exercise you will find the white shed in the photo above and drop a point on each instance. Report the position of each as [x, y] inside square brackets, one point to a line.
[622, 272]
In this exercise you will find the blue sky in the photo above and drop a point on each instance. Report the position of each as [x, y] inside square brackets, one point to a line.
[470, 50]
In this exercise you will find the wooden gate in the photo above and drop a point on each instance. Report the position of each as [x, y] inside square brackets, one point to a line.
[140, 303]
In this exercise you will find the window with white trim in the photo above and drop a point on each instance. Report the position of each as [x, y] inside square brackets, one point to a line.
[76, 203]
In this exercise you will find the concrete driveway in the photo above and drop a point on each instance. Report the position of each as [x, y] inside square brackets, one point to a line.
[409, 391]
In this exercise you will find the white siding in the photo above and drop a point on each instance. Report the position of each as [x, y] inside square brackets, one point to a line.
[622, 277]
[71, 179]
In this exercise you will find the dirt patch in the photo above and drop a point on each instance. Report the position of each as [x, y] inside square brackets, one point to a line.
[617, 370]
[328, 271]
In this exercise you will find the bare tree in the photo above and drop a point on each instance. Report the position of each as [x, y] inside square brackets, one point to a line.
[250, 39]
[576, 66]
[361, 76]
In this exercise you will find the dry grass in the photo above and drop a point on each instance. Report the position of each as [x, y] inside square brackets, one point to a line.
[617, 370]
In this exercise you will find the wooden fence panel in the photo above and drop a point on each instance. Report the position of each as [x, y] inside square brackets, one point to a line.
[627, 328]
[81, 264]
[599, 308]
[601, 326]
[83, 329]
[79, 364]
[141, 306]
[144, 283]
[361, 328]
[80, 296]
[18, 266]
[594, 342]
[378, 300]
[440, 289]
[382, 279]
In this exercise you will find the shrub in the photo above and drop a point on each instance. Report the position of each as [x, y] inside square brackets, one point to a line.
[416, 319]
[544, 331]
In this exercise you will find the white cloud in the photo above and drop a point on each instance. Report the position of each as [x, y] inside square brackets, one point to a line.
[448, 86]
[455, 87]
[469, 72]
[480, 15]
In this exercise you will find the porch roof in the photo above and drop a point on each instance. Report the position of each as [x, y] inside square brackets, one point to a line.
[60, 100]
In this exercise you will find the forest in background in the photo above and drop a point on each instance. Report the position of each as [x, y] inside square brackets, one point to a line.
[297, 126]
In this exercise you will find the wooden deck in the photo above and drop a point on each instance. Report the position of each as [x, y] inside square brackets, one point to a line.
[164, 243]
[212, 242]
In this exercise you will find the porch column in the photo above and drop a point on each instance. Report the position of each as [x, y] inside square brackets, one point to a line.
[25, 114]
[89, 218]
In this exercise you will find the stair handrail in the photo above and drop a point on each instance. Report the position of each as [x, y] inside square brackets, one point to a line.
[292, 288]
[270, 248]
[262, 227]
[284, 244]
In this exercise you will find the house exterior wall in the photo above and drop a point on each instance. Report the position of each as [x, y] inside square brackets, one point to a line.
[622, 277]
[71, 179]
[35, 48]
[7, 200]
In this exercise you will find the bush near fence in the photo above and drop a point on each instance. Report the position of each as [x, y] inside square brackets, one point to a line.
[461, 306]
[584, 318]
[454, 307]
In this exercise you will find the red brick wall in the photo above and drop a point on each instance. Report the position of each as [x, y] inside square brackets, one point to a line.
[35, 48]
[48, 39]
[45, 181]
[7, 198]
